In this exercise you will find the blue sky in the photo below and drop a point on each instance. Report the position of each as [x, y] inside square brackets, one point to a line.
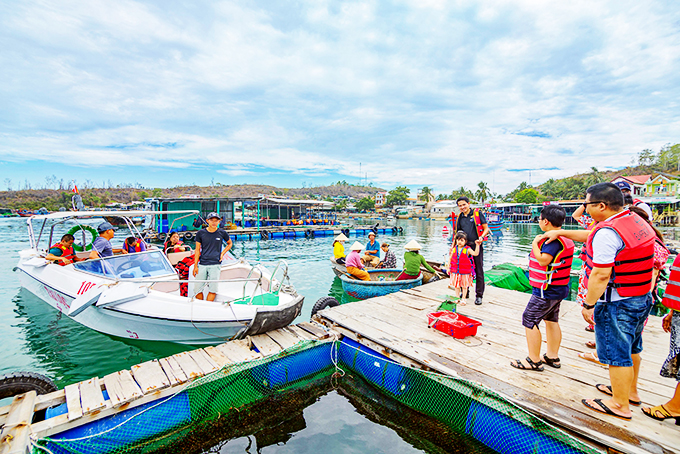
[422, 92]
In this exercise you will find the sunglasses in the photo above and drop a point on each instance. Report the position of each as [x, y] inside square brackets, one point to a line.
[585, 204]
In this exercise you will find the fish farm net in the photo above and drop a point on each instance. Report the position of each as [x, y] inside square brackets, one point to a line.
[463, 407]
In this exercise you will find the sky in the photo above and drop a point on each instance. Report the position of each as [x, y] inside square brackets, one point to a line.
[305, 93]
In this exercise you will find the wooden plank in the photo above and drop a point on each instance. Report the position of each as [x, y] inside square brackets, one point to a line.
[220, 359]
[91, 397]
[283, 337]
[314, 329]
[114, 389]
[130, 388]
[301, 333]
[204, 361]
[15, 433]
[238, 351]
[150, 376]
[170, 372]
[50, 400]
[265, 344]
[188, 365]
[75, 411]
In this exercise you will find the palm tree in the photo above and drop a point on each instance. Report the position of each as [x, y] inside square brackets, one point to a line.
[483, 191]
[426, 194]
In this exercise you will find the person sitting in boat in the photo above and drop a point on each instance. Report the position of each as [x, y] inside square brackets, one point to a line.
[101, 246]
[412, 262]
[174, 244]
[339, 249]
[353, 263]
[132, 245]
[62, 252]
[390, 260]
[372, 252]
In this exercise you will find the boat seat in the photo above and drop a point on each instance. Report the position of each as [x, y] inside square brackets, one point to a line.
[176, 257]
[83, 254]
[167, 287]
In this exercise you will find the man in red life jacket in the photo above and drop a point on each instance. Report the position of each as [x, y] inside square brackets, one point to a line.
[473, 223]
[619, 264]
[63, 252]
[549, 267]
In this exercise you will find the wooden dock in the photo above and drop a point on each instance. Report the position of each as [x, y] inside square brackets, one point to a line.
[396, 326]
[141, 384]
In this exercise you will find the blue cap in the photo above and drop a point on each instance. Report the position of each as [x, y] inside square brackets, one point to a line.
[623, 185]
[104, 226]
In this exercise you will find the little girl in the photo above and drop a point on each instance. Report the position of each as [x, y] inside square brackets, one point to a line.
[461, 266]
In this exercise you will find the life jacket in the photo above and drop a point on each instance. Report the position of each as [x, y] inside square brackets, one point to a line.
[66, 252]
[632, 270]
[136, 248]
[478, 223]
[557, 271]
[168, 246]
[671, 299]
[461, 263]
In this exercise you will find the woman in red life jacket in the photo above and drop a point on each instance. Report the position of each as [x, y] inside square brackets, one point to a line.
[133, 245]
[174, 244]
[461, 267]
[62, 252]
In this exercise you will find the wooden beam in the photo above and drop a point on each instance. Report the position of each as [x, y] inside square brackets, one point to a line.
[15, 434]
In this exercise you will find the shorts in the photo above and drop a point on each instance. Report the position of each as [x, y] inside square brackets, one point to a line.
[207, 273]
[540, 309]
[618, 329]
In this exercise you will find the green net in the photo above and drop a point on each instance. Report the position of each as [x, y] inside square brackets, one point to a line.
[237, 392]
[508, 276]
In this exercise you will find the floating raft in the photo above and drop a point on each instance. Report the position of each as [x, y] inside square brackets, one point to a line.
[396, 326]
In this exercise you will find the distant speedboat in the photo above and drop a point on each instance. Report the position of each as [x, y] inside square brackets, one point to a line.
[138, 296]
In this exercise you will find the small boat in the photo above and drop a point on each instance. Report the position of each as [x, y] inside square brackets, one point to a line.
[403, 214]
[494, 219]
[428, 275]
[339, 269]
[138, 295]
[382, 283]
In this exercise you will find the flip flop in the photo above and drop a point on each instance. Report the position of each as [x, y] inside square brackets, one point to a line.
[591, 344]
[590, 328]
[606, 389]
[660, 414]
[590, 357]
[602, 408]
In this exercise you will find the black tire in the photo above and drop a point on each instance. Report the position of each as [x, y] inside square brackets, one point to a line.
[23, 382]
[345, 232]
[162, 236]
[188, 236]
[323, 303]
[264, 235]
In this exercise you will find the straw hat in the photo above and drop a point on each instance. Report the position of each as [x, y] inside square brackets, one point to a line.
[356, 246]
[413, 246]
[341, 237]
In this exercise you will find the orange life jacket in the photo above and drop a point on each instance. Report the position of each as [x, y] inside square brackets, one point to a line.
[557, 271]
[632, 269]
[66, 252]
[671, 299]
[461, 262]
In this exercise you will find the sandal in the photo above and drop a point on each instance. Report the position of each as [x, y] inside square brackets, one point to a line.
[552, 362]
[592, 357]
[602, 408]
[591, 344]
[533, 366]
[606, 389]
[660, 414]
[590, 328]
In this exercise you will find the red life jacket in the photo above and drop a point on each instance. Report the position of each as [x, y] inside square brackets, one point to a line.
[461, 263]
[557, 271]
[632, 270]
[671, 299]
[136, 248]
[66, 252]
[478, 224]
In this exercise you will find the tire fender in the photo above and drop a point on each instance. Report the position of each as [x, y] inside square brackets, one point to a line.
[323, 303]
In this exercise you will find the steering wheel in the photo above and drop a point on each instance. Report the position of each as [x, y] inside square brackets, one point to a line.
[126, 266]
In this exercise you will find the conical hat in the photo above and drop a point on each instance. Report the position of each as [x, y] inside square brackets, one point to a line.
[412, 246]
[356, 246]
[341, 237]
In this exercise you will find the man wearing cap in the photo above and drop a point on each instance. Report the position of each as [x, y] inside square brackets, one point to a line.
[101, 246]
[372, 252]
[354, 265]
[209, 255]
[626, 190]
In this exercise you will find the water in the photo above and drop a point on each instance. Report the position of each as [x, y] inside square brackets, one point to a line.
[37, 338]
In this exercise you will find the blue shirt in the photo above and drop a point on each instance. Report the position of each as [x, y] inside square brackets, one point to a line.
[373, 247]
[553, 292]
[102, 246]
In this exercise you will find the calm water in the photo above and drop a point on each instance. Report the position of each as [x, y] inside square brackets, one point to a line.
[37, 338]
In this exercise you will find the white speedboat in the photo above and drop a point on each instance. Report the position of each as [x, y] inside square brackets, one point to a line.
[138, 295]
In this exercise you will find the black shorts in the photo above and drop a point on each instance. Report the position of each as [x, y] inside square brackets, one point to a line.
[540, 309]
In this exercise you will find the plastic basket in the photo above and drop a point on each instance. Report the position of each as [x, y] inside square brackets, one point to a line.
[453, 324]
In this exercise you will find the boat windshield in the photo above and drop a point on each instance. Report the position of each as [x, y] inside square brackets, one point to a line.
[129, 266]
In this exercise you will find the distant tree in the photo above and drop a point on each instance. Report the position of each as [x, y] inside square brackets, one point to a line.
[157, 192]
[8, 184]
[528, 195]
[646, 157]
[443, 197]
[141, 195]
[397, 196]
[483, 192]
[341, 205]
[462, 192]
[426, 194]
[366, 203]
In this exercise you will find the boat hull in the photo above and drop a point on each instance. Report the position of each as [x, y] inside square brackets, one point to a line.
[373, 288]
